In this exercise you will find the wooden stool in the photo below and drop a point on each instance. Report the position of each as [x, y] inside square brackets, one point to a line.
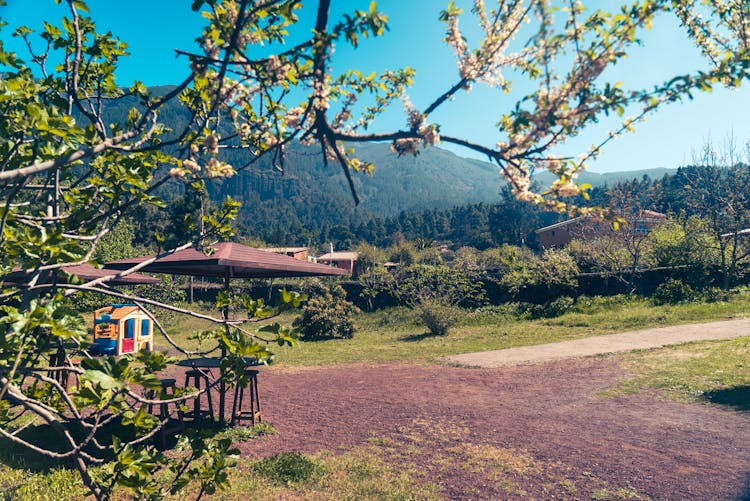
[62, 374]
[57, 359]
[167, 392]
[254, 413]
[197, 376]
[75, 362]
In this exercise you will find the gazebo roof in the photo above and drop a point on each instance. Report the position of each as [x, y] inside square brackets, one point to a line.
[89, 272]
[229, 260]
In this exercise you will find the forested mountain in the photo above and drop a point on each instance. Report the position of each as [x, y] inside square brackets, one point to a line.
[436, 194]
[609, 178]
[433, 195]
[308, 196]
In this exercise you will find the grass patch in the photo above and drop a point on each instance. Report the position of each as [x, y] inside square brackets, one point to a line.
[57, 484]
[234, 433]
[711, 372]
[379, 470]
[396, 333]
[289, 468]
[361, 473]
[501, 459]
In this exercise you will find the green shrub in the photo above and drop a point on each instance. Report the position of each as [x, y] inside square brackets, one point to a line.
[528, 311]
[312, 286]
[86, 302]
[536, 279]
[421, 284]
[533, 311]
[289, 468]
[558, 307]
[490, 314]
[716, 294]
[170, 290]
[390, 317]
[590, 305]
[328, 316]
[672, 292]
[437, 317]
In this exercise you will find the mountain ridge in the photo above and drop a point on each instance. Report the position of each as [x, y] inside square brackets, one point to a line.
[308, 198]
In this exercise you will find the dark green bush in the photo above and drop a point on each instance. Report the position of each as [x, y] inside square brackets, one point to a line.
[437, 317]
[492, 314]
[86, 302]
[328, 316]
[533, 311]
[672, 292]
[715, 295]
[170, 290]
[597, 304]
[558, 306]
[289, 468]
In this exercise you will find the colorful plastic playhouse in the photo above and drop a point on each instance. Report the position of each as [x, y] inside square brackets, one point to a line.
[121, 329]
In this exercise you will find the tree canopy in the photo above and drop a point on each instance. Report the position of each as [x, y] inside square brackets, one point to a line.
[70, 172]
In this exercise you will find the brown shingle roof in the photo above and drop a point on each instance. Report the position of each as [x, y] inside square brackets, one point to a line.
[340, 256]
[231, 260]
[90, 272]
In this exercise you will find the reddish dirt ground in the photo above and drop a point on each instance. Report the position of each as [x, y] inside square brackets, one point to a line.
[550, 412]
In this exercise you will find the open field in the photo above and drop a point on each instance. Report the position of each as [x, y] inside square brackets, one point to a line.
[396, 334]
[657, 424]
[562, 430]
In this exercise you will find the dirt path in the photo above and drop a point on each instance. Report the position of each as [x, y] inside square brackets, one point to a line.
[612, 343]
[534, 431]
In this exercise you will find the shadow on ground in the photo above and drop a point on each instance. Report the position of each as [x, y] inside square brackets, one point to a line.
[413, 338]
[745, 495]
[16, 455]
[736, 397]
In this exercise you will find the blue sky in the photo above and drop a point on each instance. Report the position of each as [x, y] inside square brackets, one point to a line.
[154, 28]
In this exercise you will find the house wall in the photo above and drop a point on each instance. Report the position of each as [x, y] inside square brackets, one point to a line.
[301, 255]
[343, 264]
[590, 229]
[560, 236]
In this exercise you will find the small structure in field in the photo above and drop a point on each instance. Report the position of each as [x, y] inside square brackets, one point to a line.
[590, 228]
[342, 260]
[121, 329]
[295, 252]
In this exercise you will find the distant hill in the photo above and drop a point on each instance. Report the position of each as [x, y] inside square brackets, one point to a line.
[308, 201]
[435, 178]
[596, 179]
[309, 198]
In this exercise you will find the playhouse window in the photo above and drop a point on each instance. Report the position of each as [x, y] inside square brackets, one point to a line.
[145, 327]
[130, 327]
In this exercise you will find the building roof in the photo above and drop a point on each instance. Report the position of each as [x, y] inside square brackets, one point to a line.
[642, 214]
[86, 272]
[283, 250]
[651, 213]
[229, 260]
[118, 311]
[89, 272]
[560, 224]
[340, 256]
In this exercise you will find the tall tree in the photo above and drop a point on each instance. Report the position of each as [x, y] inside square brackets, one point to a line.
[718, 189]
